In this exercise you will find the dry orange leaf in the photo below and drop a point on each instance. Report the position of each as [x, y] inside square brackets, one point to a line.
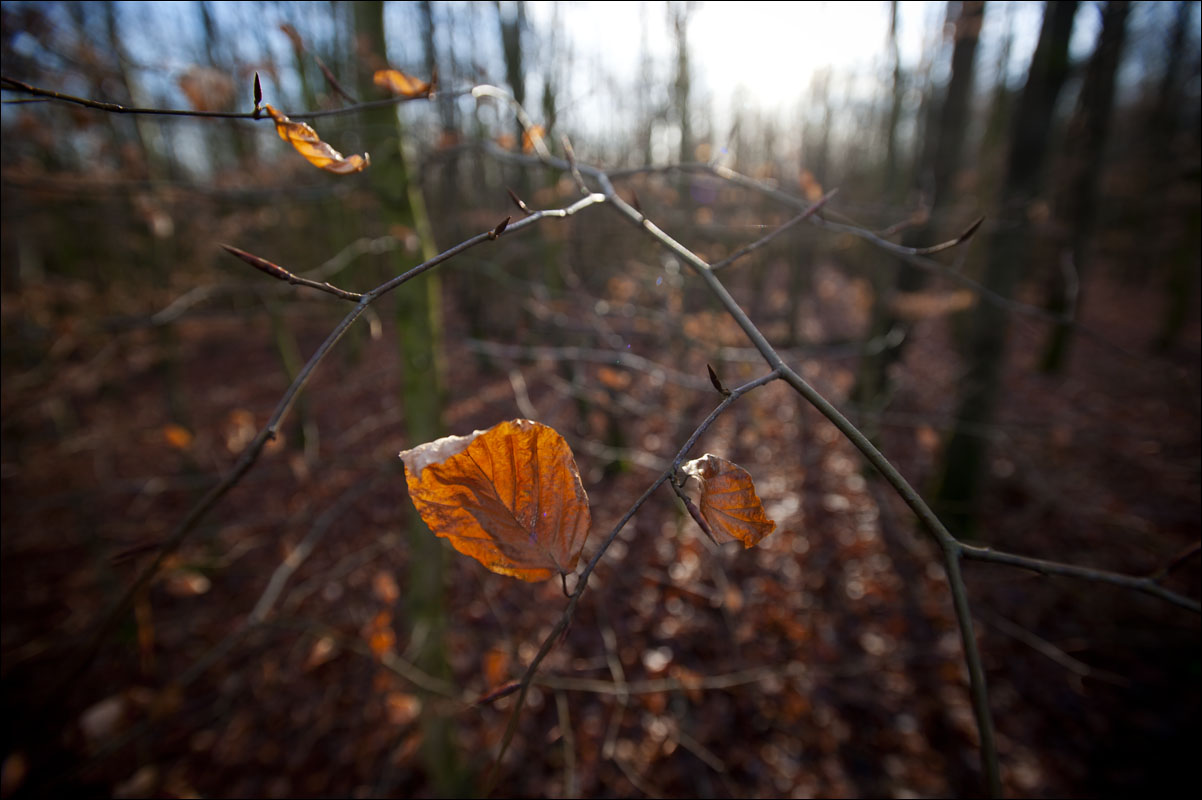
[528, 137]
[309, 144]
[728, 500]
[379, 634]
[509, 497]
[810, 186]
[177, 436]
[398, 82]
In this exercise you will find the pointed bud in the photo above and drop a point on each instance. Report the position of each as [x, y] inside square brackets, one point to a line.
[717, 383]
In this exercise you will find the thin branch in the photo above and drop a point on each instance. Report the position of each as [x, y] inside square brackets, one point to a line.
[1176, 561]
[250, 455]
[575, 170]
[536, 140]
[694, 512]
[330, 79]
[619, 358]
[727, 680]
[570, 610]
[569, 745]
[757, 244]
[1046, 648]
[297, 556]
[1147, 585]
[978, 689]
[116, 108]
[280, 273]
[622, 694]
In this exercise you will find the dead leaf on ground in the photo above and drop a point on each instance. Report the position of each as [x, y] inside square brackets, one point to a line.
[316, 152]
[728, 500]
[177, 436]
[509, 497]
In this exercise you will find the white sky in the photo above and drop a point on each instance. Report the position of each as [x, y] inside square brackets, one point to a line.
[767, 52]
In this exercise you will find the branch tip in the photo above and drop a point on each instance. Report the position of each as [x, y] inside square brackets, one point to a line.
[517, 201]
[717, 383]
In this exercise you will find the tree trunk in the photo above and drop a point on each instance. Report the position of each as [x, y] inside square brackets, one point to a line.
[939, 162]
[418, 320]
[956, 499]
[1077, 207]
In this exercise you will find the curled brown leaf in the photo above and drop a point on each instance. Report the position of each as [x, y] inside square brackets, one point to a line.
[728, 500]
[402, 84]
[316, 152]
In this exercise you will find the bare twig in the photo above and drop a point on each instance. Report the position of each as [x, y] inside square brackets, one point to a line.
[536, 141]
[757, 244]
[947, 542]
[251, 453]
[569, 744]
[570, 610]
[1147, 585]
[575, 170]
[1044, 647]
[276, 271]
[116, 108]
[1176, 561]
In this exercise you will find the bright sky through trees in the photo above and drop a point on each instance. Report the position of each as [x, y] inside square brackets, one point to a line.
[763, 55]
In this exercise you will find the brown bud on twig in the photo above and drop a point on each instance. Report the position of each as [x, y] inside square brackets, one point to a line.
[274, 270]
[961, 239]
[634, 200]
[501, 226]
[258, 92]
[717, 383]
[517, 201]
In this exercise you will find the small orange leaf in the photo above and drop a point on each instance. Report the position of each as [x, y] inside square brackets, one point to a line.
[509, 497]
[401, 84]
[728, 500]
[810, 186]
[177, 436]
[530, 135]
[496, 666]
[379, 634]
[309, 144]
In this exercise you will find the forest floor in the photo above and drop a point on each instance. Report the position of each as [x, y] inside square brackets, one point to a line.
[824, 662]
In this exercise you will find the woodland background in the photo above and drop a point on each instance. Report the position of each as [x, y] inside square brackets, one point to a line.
[139, 359]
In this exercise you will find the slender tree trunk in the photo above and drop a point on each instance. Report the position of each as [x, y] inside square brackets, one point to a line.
[418, 321]
[1181, 281]
[939, 162]
[1077, 207]
[679, 16]
[964, 460]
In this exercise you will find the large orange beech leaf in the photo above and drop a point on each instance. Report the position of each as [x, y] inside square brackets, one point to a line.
[309, 144]
[509, 497]
[728, 500]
